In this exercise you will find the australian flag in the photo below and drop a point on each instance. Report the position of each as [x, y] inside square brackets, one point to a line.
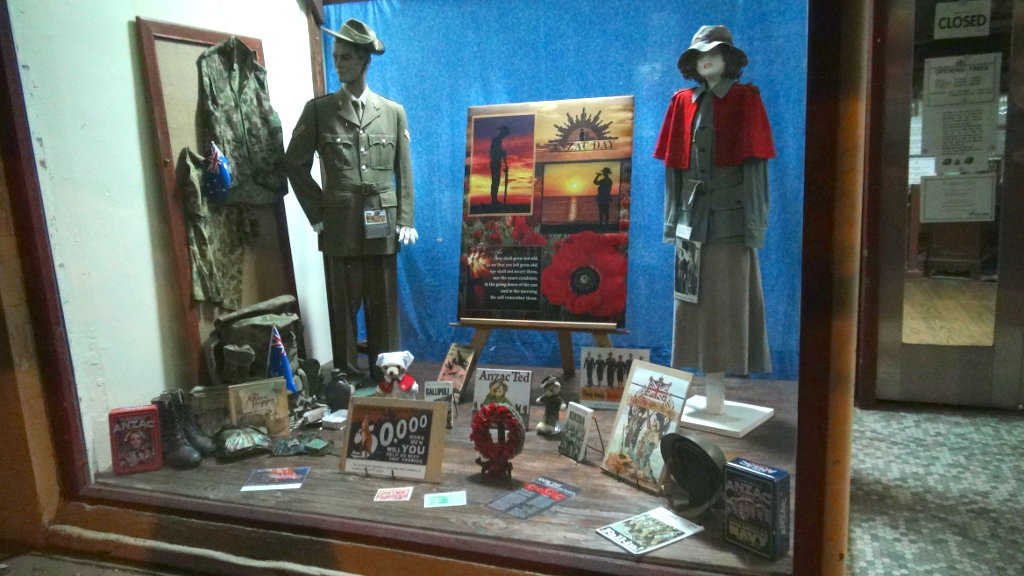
[217, 179]
[277, 361]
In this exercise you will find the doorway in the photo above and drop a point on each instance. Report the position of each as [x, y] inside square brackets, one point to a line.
[941, 314]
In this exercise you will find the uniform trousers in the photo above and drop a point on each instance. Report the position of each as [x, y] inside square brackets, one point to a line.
[370, 283]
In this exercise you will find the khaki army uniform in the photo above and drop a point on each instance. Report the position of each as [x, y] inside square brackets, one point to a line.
[366, 166]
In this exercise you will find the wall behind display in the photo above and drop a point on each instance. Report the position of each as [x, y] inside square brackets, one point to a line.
[444, 56]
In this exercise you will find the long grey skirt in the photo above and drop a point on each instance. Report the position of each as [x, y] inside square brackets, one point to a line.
[724, 331]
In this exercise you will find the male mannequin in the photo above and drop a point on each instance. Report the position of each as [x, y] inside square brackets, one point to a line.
[365, 209]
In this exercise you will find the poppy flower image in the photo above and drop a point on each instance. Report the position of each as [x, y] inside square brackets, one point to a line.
[587, 275]
[479, 264]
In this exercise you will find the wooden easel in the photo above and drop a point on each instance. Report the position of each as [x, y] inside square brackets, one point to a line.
[482, 332]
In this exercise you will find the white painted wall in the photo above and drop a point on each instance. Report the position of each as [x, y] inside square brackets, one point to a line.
[81, 69]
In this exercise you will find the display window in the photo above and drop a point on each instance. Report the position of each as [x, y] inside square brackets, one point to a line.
[571, 236]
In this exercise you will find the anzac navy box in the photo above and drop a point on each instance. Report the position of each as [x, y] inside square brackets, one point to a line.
[135, 439]
[757, 507]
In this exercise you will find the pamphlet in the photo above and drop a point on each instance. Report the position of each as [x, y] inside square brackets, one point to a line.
[534, 497]
[649, 531]
[276, 479]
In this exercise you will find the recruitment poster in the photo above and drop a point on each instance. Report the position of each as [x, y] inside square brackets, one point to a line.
[546, 211]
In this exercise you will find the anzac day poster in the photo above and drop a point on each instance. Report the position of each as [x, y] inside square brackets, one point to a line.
[546, 211]
[394, 438]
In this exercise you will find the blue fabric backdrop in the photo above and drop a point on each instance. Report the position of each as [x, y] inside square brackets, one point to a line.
[443, 56]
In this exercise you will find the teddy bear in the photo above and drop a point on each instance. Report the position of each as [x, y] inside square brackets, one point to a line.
[552, 401]
[396, 382]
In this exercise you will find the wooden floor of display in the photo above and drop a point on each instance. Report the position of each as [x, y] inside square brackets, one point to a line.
[570, 524]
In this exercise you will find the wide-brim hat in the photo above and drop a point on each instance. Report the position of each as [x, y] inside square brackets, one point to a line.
[358, 33]
[707, 38]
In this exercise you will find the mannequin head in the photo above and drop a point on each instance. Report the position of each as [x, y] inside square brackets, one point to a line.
[354, 42]
[709, 45]
[726, 63]
[350, 61]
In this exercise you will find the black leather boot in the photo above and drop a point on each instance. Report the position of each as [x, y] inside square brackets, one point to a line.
[178, 451]
[196, 437]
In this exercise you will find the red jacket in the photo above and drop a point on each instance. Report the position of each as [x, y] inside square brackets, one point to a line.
[741, 128]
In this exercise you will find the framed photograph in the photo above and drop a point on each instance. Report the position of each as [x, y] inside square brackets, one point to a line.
[603, 372]
[496, 386]
[650, 408]
[135, 439]
[576, 432]
[687, 279]
[455, 369]
[263, 403]
[394, 438]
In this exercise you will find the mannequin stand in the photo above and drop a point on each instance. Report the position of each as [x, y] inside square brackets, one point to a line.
[713, 413]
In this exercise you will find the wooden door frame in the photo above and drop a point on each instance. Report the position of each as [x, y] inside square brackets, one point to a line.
[880, 348]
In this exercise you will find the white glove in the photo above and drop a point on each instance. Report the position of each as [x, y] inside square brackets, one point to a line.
[407, 235]
[318, 227]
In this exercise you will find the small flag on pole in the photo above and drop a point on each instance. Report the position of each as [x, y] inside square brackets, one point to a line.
[277, 361]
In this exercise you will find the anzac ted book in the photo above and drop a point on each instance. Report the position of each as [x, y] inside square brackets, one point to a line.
[757, 507]
[511, 387]
[135, 439]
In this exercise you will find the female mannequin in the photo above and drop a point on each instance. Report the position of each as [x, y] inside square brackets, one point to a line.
[715, 143]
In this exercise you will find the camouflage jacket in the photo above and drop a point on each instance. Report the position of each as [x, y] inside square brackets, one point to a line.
[235, 109]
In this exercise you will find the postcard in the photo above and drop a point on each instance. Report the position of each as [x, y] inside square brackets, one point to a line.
[649, 531]
[276, 479]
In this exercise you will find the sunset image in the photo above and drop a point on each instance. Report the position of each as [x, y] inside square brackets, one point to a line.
[501, 165]
[574, 193]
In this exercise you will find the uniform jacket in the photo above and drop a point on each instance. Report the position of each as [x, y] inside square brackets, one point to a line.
[726, 202]
[366, 165]
[237, 115]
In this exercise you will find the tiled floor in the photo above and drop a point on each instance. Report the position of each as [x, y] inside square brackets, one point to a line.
[936, 492]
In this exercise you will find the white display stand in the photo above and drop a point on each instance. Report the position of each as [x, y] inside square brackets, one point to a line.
[724, 417]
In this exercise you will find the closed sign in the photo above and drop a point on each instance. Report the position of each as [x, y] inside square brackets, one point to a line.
[963, 19]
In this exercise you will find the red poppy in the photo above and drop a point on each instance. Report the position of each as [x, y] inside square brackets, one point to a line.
[587, 275]
[494, 238]
[478, 235]
[534, 239]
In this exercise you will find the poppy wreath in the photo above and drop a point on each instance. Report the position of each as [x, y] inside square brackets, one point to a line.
[497, 416]
[587, 275]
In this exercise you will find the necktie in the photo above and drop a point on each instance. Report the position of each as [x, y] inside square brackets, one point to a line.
[358, 107]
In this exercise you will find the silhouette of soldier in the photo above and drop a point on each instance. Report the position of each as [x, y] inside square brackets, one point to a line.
[604, 194]
[499, 160]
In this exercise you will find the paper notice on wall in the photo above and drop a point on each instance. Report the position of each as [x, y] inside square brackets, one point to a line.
[964, 198]
[961, 111]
